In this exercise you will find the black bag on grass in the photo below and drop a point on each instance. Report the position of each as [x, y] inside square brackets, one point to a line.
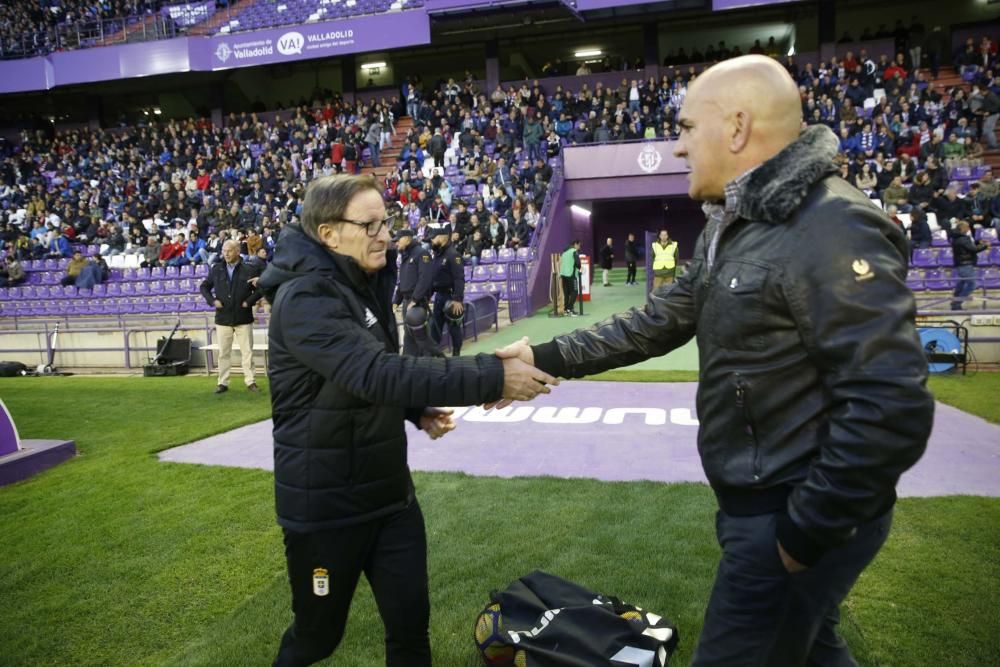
[9, 369]
[542, 620]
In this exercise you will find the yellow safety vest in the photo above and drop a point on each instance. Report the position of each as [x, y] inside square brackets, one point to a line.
[664, 257]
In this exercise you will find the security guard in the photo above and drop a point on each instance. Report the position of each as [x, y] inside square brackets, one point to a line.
[416, 272]
[449, 287]
[664, 259]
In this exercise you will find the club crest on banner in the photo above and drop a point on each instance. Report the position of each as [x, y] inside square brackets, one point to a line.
[649, 159]
[222, 52]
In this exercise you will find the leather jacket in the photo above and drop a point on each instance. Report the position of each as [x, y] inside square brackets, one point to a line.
[812, 395]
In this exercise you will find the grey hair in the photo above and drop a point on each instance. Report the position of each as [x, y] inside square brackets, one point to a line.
[328, 197]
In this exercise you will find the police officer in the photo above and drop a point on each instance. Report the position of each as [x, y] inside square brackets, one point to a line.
[416, 272]
[449, 287]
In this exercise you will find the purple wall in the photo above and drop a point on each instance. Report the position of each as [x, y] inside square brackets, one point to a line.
[636, 158]
[220, 52]
[556, 235]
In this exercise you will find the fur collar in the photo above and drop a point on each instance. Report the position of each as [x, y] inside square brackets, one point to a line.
[778, 187]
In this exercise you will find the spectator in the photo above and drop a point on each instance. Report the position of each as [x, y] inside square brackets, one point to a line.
[920, 230]
[73, 269]
[228, 288]
[11, 272]
[964, 253]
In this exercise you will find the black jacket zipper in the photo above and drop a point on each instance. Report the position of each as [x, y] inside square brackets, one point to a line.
[743, 403]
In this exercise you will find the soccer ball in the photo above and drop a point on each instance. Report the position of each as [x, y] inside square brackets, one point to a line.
[489, 637]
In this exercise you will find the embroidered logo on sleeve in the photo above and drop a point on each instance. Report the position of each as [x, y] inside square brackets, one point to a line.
[862, 270]
[370, 318]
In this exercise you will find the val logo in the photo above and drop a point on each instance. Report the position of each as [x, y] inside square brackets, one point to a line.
[291, 43]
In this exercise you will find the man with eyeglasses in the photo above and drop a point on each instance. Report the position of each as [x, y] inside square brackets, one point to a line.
[340, 396]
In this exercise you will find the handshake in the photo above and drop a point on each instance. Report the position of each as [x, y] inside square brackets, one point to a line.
[521, 382]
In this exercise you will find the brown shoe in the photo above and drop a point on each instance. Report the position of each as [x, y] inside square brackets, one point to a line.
[221, 389]
[253, 387]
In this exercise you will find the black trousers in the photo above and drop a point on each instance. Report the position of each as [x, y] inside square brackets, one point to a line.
[569, 292]
[455, 329]
[760, 615]
[392, 553]
[630, 277]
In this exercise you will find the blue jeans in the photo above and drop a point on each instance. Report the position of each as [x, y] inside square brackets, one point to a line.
[375, 154]
[966, 283]
[760, 614]
[989, 130]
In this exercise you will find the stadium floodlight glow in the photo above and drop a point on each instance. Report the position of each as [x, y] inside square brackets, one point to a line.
[373, 66]
[588, 53]
[576, 208]
[157, 111]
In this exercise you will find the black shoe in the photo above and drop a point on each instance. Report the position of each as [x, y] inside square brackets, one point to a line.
[221, 389]
[253, 388]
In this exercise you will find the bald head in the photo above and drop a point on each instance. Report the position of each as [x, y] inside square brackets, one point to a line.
[231, 251]
[736, 115]
[759, 87]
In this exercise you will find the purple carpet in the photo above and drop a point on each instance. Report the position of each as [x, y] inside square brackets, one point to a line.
[618, 431]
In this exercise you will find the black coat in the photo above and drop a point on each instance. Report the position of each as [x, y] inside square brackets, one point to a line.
[607, 257]
[233, 294]
[449, 272]
[340, 394]
[812, 402]
[415, 274]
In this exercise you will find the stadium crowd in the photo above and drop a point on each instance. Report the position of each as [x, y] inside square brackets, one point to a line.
[174, 192]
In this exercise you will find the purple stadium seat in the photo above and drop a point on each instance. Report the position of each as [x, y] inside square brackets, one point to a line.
[114, 289]
[995, 255]
[505, 255]
[159, 286]
[468, 273]
[987, 234]
[68, 291]
[946, 257]
[100, 289]
[480, 274]
[938, 279]
[131, 274]
[523, 254]
[473, 288]
[991, 278]
[141, 288]
[187, 286]
[201, 270]
[187, 270]
[925, 257]
[939, 238]
[915, 280]
[488, 256]
[171, 272]
[498, 272]
[127, 289]
[157, 272]
[51, 265]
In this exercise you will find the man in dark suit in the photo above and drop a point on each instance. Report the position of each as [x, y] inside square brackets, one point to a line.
[231, 288]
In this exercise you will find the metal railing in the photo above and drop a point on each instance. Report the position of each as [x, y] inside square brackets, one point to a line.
[87, 34]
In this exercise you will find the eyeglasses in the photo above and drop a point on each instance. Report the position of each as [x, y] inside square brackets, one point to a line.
[391, 220]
